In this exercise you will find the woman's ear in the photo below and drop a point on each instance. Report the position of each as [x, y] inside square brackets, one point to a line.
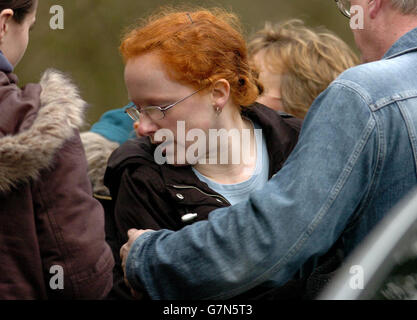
[5, 16]
[220, 94]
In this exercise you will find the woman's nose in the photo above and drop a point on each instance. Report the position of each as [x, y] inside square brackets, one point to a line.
[144, 127]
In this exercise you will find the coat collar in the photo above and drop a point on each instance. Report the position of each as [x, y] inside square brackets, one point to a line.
[405, 44]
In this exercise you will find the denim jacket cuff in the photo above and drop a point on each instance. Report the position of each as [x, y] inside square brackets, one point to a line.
[133, 261]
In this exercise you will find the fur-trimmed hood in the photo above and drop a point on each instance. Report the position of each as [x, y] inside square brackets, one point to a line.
[23, 155]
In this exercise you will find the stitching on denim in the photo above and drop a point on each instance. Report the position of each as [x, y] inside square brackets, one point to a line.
[381, 153]
[353, 86]
[407, 120]
[316, 220]
[410, 128]
[404, 95]
[380, 103]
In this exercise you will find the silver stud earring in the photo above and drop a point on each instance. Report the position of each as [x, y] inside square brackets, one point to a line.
[218, 111]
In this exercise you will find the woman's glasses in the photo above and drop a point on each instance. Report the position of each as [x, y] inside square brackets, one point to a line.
[154, 112]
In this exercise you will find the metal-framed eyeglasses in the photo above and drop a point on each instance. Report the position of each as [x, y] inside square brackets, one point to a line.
[344, 7]
[154, 112]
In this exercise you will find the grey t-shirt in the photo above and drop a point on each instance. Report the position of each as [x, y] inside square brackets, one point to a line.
[238, 192]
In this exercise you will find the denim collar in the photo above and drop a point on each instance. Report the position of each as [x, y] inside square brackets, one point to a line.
[405, 44]
[5, 65]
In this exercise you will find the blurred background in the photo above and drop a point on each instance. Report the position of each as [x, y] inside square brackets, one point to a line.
[87, 47]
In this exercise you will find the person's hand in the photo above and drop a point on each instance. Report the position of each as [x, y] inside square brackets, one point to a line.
[132, 234]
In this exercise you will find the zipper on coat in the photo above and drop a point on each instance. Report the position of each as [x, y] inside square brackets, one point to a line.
[201, 191]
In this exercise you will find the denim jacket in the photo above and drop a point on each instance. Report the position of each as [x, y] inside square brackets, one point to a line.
[355, 159]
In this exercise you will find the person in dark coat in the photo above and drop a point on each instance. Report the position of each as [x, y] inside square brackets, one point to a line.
[172, 89]
[51, 228]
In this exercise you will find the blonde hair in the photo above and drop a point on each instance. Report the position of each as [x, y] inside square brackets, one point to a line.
[308, 60]
[405, 6]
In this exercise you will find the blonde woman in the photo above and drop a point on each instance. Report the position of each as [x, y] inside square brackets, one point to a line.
[296, 63]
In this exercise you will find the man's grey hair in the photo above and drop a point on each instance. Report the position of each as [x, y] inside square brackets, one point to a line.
[405, 6]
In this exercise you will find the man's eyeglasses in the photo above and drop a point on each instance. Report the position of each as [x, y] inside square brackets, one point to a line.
[154, 112]
[344, 7]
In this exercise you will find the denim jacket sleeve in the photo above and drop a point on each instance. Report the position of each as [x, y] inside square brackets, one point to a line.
[298, 215]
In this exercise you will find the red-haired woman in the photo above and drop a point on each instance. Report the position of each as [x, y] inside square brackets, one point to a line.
[187, 74]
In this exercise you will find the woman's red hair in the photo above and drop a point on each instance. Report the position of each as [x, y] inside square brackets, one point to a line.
[197, 47]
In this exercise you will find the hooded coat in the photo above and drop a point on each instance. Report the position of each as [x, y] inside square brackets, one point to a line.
[52, 241]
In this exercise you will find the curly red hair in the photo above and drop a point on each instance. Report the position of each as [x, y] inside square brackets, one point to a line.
[197, 47]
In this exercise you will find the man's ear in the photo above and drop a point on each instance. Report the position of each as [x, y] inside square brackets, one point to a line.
[5, 16]
[220, 93]
[375, 7]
